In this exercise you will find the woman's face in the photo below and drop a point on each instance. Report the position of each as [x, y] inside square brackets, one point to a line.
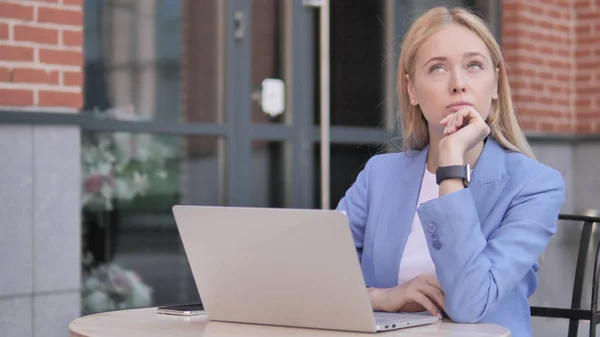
[453, 68]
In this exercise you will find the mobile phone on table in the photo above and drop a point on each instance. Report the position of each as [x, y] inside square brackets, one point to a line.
[189, 309]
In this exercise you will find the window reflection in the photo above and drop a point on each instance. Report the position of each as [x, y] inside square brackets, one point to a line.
[160, 58]
[133, 256]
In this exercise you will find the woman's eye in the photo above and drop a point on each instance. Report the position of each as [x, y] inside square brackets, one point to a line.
[475, 66]
[436, 68]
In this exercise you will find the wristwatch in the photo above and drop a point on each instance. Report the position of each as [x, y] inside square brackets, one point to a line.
[455, 171]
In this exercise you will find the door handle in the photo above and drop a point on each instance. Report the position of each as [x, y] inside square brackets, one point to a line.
[239, 25]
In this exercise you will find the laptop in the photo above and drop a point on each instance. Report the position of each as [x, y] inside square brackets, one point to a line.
[284, 267]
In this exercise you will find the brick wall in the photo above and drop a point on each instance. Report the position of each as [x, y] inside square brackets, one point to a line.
[41, 54]
[587, 65]
[552, 48]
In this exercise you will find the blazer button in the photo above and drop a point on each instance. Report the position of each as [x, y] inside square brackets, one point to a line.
[434, 236]
[432, 228]
[437, 245]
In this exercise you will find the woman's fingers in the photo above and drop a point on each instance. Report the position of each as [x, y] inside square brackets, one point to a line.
[449, 124]
[459, 121]
[432, 281]
[423, 300]
[430, 285]
[434, 294]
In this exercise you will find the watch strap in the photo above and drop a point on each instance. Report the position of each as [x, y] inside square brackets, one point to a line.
[452, 172]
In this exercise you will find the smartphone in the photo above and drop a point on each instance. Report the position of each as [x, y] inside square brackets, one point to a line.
[190, 309]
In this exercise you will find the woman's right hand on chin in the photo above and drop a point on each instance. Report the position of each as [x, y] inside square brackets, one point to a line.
[423, 292]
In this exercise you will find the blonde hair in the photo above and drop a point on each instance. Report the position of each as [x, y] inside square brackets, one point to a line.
[502, 119]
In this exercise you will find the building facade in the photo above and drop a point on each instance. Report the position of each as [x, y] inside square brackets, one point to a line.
[113, 111]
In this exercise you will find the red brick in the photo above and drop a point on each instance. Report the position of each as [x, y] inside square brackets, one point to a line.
[545, 76]
[526, 21]
[16, 97]
[537, 86]
[589, 15]
[72, 38]
[562, 28]
[582, 4]
[554, 14]
[73, 2]
[510, 31]
[39, 76]
[557, 64]
[584, 89]
[546, 25]
[71, 78]
[513, 5]
[536, 10]
[16, 11]
[583, 128]
[60, 99]
[527, 124]
[61, 57]
[588, 39]
[3, 31]
[563, 128]
[583, 78]
[563, 52]
[583, 103]
[554, 89]
[543, 113]
[16, 53]
[561, 102]
[544, 49]
[60, 16]
[581, 52]
[35, 34]
[546, 127]
[535, 60]
[584, 29]
[4, 74]
[524, 98]
[588, 65]
[590, 115]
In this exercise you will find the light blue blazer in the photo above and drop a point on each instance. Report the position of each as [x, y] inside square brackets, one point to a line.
[484, 240]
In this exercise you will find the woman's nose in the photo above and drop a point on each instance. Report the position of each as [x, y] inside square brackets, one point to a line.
[458, 84]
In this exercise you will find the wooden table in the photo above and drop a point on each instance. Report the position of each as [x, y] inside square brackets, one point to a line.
[147, 323]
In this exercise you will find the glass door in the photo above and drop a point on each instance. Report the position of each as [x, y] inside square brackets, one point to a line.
[313, 97]
[271, 100]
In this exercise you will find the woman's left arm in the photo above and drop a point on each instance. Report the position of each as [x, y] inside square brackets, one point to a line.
[475, 272]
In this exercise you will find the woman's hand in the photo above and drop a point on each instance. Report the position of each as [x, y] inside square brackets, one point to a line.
[419, 294]
[464, 129]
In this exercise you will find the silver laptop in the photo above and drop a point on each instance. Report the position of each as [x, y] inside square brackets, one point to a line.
[286, 267]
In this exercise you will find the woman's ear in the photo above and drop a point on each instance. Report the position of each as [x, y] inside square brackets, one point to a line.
[411, 91]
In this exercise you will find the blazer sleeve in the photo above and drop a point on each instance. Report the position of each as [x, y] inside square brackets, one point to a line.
[355, 204]
[476, 273]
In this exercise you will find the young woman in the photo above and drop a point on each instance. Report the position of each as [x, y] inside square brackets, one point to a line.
[457, 221]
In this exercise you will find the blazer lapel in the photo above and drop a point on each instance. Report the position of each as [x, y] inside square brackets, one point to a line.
[399, 204]
[489, 178]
